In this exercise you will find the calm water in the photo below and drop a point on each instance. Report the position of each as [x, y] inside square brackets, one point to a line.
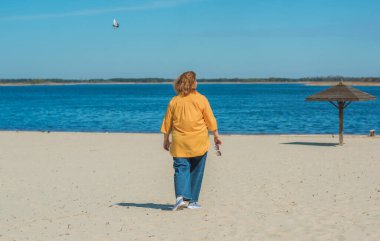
[239, 108]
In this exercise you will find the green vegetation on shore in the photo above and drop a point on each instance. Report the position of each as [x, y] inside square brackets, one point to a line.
[216, 80]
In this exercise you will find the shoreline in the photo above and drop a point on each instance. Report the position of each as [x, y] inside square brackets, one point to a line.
[334, 135]
[323, 83]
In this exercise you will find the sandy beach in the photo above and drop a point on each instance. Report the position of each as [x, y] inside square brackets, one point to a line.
[99, 186]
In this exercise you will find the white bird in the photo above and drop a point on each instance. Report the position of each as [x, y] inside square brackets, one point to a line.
[115, 24]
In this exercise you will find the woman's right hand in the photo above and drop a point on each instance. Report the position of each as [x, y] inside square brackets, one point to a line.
[217, 140]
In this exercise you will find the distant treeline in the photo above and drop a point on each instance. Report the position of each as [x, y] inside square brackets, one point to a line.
[162, 80]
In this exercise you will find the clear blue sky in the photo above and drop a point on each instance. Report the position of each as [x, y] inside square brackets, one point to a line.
[215, 38]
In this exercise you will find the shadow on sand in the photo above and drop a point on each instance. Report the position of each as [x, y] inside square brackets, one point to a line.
[165, 207]
[311, 143]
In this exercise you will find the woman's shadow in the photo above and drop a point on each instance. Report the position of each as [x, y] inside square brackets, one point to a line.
[165, 207]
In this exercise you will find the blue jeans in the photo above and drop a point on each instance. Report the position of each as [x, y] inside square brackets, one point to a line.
[188, 176]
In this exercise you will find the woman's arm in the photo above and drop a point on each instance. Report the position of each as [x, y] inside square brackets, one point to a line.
[210, 120]
[167, 125]
[166, 144]
[217, 139]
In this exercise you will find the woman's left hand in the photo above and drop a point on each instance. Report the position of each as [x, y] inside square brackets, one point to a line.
[166, 144]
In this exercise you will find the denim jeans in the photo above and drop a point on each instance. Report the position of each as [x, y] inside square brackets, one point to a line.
[188, 176]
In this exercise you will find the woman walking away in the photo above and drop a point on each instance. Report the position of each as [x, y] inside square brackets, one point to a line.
[189, 117]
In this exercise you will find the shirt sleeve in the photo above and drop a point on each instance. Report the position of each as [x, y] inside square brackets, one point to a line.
[209, 117]
[167, 123]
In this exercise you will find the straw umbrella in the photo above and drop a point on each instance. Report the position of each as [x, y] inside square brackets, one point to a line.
[341, 96]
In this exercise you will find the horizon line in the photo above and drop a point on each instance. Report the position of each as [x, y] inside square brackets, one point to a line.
[210, 78]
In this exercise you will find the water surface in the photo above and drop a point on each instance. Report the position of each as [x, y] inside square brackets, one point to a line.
[239, 108]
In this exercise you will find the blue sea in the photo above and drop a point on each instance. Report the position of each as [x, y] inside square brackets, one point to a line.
[239, 108]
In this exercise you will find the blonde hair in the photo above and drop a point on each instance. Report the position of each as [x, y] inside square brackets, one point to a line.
[184, 84]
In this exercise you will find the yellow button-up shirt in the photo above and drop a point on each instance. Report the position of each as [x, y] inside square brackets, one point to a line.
[189, 118]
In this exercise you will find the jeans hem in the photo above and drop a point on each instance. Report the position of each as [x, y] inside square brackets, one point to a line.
[184, 197]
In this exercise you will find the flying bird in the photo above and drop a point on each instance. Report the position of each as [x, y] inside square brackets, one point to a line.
[115, 24]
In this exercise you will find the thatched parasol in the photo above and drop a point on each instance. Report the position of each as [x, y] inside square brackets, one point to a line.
[341, 96]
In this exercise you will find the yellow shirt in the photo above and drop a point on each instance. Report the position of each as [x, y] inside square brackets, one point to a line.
[189, 118]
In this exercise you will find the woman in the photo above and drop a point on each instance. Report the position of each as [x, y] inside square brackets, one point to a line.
[189, 117]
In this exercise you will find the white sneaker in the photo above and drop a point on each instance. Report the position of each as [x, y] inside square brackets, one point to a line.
[179, 205]
[194, 205]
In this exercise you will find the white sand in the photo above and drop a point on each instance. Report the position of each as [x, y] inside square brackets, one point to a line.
[89, 187]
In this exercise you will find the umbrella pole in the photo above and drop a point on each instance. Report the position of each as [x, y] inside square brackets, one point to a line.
[341, 107]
